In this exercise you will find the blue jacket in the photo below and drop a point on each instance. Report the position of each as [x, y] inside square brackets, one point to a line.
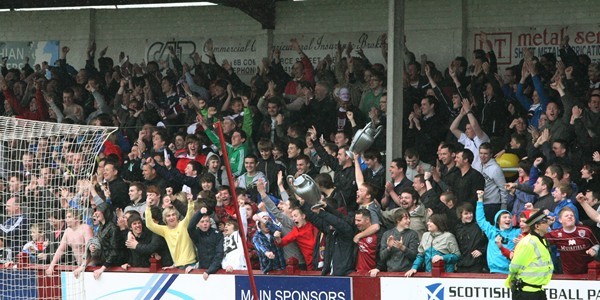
[497, 263]
[266, 243]
[440, 243]
[517, 201]
[15, 231]
[527, 103]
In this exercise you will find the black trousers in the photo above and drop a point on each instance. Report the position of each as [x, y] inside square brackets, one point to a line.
[540, 295]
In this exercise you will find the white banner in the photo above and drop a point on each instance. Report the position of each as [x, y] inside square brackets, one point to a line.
[147, 286]
[469, 288]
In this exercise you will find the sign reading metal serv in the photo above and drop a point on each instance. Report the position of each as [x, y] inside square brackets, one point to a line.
[147, 286]
[465, 288]
[294, 288]
[508, 43]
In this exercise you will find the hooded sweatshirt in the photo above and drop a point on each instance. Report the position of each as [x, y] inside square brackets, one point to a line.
[497, 263]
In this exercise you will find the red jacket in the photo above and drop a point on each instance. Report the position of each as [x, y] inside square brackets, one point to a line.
[309, 75]
[41, 114]
[226, 213]
[305, 237]
[182, 161]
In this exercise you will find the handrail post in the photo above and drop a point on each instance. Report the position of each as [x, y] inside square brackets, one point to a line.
[22, 260]
[593, 270]
[292, 266]
[438, 268]
[154, 267]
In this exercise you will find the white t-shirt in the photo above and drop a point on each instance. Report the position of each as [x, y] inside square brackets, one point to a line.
[473, 145]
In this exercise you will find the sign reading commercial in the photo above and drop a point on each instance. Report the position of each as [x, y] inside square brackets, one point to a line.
[456, 288]
[243, 53]
[317, 46]
[294, 288]
[509, 43]
[38, 52]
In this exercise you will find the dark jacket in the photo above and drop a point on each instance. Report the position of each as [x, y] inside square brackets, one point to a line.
[337, 199]
[270, 168]
[470, 237]
[433, 130]
[114, 252]
[174, 176]
[148, 243]
[344, 178]
[209, 245]
[119, 193]
[377, 179]
[466, 186]
[132, 170]
[15, 232]
[322, 115]
[339, 257]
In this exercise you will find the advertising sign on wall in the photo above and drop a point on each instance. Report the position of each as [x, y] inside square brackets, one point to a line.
[18, 284]
[38, 52]
[193, 286]
[456, 288]
[509, 43]
[147, 286]
[294, 287]
[243, 53]
[318, 45]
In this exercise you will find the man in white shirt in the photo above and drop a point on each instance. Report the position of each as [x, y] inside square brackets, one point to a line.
[473, 136]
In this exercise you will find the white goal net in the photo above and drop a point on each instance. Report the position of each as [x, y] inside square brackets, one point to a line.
[45, 169]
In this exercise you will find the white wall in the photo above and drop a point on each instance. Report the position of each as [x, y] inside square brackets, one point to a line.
[440, 29]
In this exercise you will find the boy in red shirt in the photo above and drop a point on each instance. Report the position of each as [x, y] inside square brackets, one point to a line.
[304, 234]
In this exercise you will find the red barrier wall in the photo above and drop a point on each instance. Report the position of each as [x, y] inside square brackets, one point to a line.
[363, 286]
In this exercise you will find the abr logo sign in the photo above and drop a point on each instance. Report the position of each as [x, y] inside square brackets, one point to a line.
[435, 291]
[502, 44]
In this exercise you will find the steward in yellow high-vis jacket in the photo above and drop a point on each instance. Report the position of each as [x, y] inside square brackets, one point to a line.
[531, 266]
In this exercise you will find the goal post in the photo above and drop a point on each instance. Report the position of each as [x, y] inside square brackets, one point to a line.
[44, 168]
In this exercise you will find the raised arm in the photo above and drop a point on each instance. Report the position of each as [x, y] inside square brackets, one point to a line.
[188, 214]
[589, 210]
[472, 120]
[454, 126]
[158, 229]
[360, 179]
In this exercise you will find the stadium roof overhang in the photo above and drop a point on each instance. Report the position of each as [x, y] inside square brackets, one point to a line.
[262, 11]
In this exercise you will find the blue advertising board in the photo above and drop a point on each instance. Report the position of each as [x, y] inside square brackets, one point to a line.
[294, 287]
[16, 284]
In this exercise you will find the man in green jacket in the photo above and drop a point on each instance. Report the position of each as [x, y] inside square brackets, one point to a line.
[236, 150]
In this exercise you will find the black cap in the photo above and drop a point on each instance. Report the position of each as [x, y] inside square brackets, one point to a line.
[535, 218]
